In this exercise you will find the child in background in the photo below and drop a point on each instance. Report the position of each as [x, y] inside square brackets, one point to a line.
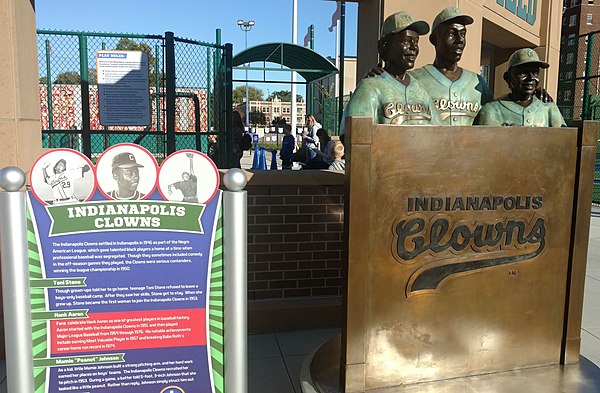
[338, 164]
[213, 149]
[287, 147]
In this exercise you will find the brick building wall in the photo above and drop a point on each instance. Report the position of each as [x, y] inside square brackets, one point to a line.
[294, 240]
[295, 243]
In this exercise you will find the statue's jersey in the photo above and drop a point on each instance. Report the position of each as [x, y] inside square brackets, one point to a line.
[387, 101]
[504, 112]
[455, 103]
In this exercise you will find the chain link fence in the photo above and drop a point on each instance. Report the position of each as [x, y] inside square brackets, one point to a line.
[69, 93]
[331, 120]
[579, 85]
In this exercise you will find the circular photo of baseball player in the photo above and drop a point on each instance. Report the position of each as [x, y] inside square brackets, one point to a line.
[62, 176]
[126, 172]
[188, 176]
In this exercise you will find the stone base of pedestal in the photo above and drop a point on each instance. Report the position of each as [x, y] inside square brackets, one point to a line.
[321, 369]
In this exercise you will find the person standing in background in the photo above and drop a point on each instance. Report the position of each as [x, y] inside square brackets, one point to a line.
[311, 140]
[287, 147]
[238, 129]
[212, 150]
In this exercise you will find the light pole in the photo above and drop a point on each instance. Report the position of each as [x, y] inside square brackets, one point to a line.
[246, 26]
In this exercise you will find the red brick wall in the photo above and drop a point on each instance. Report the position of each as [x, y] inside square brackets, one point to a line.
[295, 237]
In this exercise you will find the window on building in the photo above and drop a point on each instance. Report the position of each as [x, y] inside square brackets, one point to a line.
[265, 109]
[589, 19]
[569, 75]
[574, 3]
[568, 95]
[572, 20]
[570, 58]
[590, 1]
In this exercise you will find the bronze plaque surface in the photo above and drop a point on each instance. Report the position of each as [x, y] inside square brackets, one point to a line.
[458, 250]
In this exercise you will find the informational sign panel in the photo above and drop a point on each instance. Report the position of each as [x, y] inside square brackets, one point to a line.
[126, 272]
[123, 89]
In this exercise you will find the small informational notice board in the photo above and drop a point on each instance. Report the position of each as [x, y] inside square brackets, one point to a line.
[126, 272]
[123, 92]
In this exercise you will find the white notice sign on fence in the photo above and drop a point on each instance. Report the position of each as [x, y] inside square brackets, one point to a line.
[123, 94]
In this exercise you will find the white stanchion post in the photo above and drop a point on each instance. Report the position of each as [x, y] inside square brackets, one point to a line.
[15, 282]
[235, 239]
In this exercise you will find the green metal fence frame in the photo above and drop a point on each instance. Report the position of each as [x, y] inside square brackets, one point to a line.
[571, 48]
[218, 98]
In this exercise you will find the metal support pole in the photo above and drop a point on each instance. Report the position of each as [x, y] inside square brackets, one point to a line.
[15, 282]
[157, 84]
[86, 138]
[235, 239]
[310, 94]
[196, 100]
[49, 88]
[229, 102]
[585, 115]
[170, 90]
[342, 57]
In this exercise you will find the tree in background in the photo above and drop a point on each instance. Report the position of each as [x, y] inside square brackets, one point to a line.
[72, 78]
[254, 94]
[278, 121]
[258, 118]
[129, 44]
[285, 96]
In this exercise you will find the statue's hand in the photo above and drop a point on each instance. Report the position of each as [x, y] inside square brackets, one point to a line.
[543, 95]
[375, 71]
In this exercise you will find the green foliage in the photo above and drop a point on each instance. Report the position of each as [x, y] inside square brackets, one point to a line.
[72, 78]
[68, 78]
[258, 118]
[278, 121]
[254, 94]
[129, 44]
[285, 96]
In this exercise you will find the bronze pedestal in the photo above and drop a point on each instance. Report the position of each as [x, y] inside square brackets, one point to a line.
[466, 250]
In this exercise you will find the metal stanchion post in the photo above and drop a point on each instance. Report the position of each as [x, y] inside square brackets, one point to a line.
[15, 282]
[235, 239]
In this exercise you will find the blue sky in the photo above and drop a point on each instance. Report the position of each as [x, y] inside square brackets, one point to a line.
[199, 20]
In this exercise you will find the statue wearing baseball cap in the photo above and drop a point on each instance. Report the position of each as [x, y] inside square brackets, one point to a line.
[125, 171]
[394, 97]
[457, 93]
[521, 107]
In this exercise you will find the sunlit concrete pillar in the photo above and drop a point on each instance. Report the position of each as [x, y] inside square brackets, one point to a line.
[20, 131]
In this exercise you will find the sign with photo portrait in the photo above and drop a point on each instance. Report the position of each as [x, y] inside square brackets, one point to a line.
[126, 272]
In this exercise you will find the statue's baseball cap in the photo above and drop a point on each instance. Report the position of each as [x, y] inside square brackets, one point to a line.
[400, 21]
[451, 14]
[125, 160]
[525, 56]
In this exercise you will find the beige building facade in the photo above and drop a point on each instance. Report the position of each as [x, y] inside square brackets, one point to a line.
[20, 130]
[500, 27]
[274, 108]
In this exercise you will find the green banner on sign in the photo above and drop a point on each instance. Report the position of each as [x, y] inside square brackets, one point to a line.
[118, 215]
